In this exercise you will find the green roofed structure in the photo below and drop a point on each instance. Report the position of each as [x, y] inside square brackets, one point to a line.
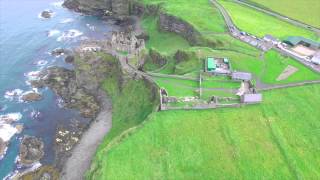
[297, 40]
[211, 64]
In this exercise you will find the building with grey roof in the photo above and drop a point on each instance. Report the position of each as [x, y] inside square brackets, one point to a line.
[316, 58]
[242, 76]
[251, 98]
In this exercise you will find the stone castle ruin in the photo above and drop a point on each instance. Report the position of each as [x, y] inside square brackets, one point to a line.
[127, 43]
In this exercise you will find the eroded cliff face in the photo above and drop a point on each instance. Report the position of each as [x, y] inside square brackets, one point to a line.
[100, 7]
[173, 24]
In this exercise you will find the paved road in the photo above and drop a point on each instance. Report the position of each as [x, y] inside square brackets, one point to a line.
[225, 15]
[279, 16]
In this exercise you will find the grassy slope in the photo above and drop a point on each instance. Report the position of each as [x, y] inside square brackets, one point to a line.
[260, 24]
[132, 102]
[163, 42]
[307, 11]
[278, 139]
[190, 11]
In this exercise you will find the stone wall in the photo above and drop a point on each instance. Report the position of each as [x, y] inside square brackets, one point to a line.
[173, 24]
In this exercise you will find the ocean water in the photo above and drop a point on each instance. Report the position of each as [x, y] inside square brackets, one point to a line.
[25, 45]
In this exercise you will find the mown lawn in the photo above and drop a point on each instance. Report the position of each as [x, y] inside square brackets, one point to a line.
[260, 24]
[307, 11]
[278, 139]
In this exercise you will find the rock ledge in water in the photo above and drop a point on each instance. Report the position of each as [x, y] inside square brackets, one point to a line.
[31, 150]
[31, 96]
[46, 14]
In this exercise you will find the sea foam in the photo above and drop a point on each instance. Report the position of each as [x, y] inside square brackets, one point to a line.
[11, 95]
[53, 32]
[67, 20]
[70, 34]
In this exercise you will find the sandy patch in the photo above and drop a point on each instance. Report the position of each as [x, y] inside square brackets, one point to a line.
[287, 72]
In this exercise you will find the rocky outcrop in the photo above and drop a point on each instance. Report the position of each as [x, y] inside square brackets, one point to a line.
[139, 9]
[69, 59]
[60, 51]
[46, 14]
[64, 83]
[100, 7]
[42, 173]
[31, 150]
[173, 24]
[78, 88]
[31, 96]
[157, 58]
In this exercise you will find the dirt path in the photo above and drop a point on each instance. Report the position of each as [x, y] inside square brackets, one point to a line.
[82, 154]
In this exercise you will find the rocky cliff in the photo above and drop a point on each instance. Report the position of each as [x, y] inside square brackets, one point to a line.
[174, 24]
[100, 7]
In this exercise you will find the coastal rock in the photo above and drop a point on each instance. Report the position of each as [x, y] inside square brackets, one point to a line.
[174, 24]
[99, 7]
[43, 173]
[46, 14]
[64, 83]
[66, 138]
[31, 150]
[60, 51]
[19, 128]
[31, 96]
[69, 59]
[78, 87]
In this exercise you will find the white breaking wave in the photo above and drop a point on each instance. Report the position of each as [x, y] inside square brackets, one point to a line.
[10, 117]
[67, 20]
[70, 34]
[32, 75]
[7, 131]
[16, 93]
[53, 32]
[91, 27]
[42, 63]
[57, 4]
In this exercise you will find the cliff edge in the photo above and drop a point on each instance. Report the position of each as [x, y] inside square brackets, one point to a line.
[100, 7]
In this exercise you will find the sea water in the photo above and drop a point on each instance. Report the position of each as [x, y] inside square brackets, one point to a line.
[26, 41]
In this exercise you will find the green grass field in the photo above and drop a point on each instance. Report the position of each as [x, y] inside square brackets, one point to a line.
[210, 20]
[260, 24]
[276, 140]
[307, 11]
[275, 64]
[162, 41]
